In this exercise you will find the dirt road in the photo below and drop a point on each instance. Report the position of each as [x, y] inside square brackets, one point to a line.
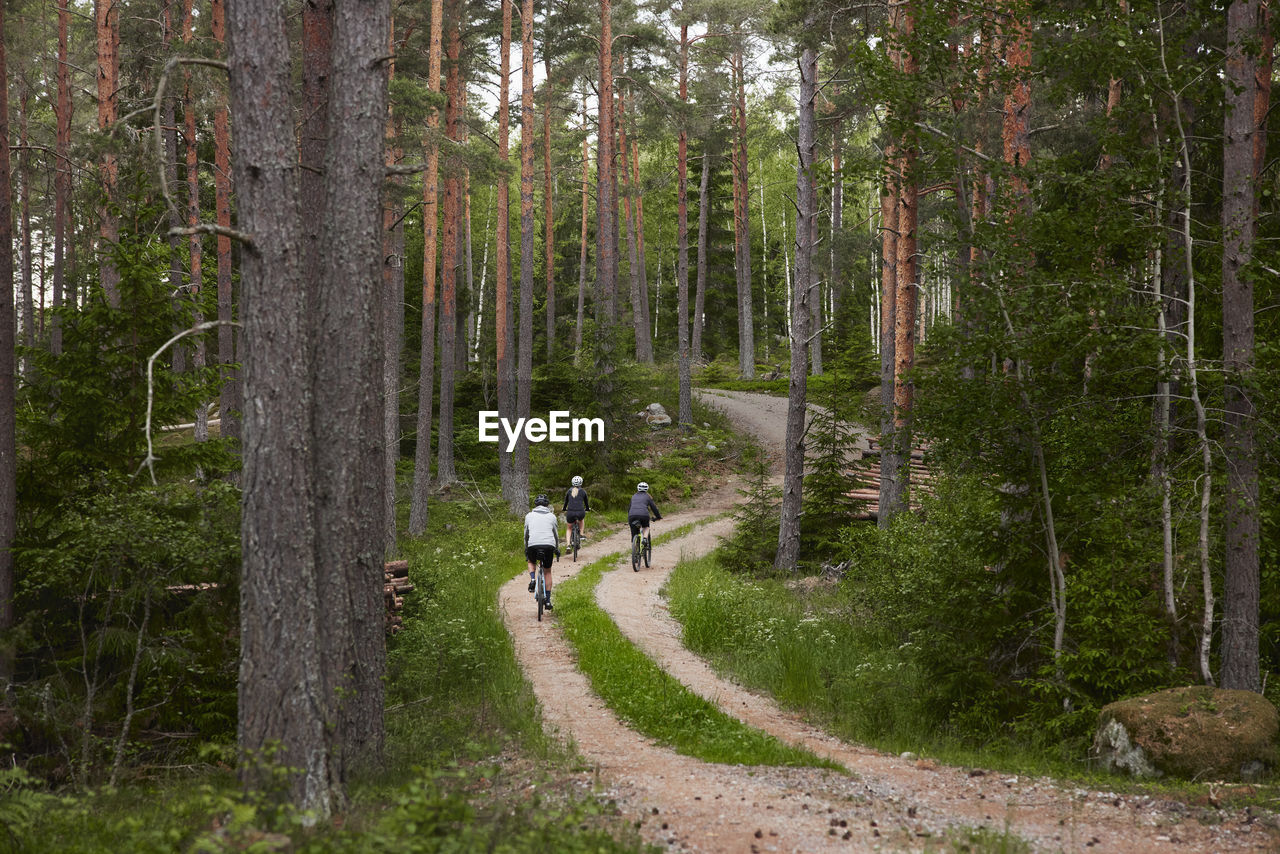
[885, 802]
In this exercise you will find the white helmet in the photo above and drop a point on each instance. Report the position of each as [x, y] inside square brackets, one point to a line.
[577, 480]
[642, 486]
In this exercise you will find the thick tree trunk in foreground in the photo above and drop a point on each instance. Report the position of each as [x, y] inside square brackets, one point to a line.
[806, 211]
[427, 354]
[1240, 668]
[282, 697]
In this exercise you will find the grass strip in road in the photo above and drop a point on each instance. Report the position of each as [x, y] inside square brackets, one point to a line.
[648, 698]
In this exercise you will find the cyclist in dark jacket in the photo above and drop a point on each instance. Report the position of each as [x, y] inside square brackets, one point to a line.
[576, 507]
[641, 507]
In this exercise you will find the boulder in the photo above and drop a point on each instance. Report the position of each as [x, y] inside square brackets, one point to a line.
[655, 415]
[1195, 733]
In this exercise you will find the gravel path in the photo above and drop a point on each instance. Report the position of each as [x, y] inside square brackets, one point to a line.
[885, 802]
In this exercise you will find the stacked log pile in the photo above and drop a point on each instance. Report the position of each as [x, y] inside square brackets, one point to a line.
[396, 584]
[867, 471]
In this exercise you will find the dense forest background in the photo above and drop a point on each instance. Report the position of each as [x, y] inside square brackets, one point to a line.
[269, 260]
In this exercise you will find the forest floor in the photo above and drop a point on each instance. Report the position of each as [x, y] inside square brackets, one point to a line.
[885, 802]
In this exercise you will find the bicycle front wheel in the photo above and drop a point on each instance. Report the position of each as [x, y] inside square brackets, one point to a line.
[541, 594]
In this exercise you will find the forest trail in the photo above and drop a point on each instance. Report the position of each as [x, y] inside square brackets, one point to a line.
[885, 803]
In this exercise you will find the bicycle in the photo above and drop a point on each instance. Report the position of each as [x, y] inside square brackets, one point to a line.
[575, 537]
[540, 590]
[641, 548]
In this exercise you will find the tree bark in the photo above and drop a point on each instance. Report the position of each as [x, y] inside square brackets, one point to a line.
[195, 248]
[700, 290]
[281, 692]
[806, 210]
[548, 220]
[582, 255]
[889, 462]
[606, 230]
[107, 20]
[8, 370]
[1244, 101]
[639, 317]
[229, 404]
[685, 406]
[24, 169]
[392, 269]
[524, 380]
[445, 471]
[62, 176]
[742, 231]
[418, 512]
[504, 323]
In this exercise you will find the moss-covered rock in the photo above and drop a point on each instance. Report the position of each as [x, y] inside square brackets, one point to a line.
[1196, 733]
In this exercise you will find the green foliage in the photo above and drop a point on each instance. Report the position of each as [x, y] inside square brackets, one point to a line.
[754, 543]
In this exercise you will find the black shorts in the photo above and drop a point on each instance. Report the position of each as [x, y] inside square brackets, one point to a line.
[637, 523]
[540, 554]
[575, 515]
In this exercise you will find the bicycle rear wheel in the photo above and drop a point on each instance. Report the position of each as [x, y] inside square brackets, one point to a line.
[648, 550]
[635, 553]
[541, 594]
[575, 537]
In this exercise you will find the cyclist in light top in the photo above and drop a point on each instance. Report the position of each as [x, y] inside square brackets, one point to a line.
[541, 541]
[576, 507]
[641, 506]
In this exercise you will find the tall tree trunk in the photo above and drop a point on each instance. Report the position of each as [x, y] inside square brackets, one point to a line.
[684, 357]
[1244, 101]
[445, 471]
[834, 275]
[606, 228]
[889, 462]
[504, 323]
[392, 317]
[896, 453]
[418, 513]
[8, 370]
[639, 211]
[24, 168]
[548, 220]
[349, 411]
[700, 289]
[169, 120]
[806, 210]
[524, 380]
[229, 404]
[639, 317]
[582, 255]
[742, 230]
[281, 692]
[107, 19]
[61, 175]
[195, 248]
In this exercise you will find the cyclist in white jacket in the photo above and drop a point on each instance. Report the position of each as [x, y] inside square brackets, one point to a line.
[541, 540]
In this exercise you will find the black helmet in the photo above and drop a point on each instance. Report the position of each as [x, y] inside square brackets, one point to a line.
[541, 501]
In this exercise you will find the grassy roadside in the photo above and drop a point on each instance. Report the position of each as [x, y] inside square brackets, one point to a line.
[805, 646]
[648, 698]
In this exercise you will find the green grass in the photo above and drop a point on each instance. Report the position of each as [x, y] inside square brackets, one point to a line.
[813, 653]
[649, 699]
